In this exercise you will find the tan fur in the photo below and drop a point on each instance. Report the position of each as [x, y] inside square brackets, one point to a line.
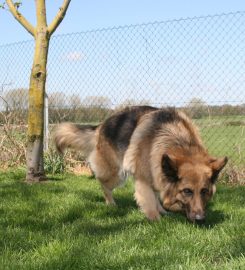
[68, 135]
[179, 141]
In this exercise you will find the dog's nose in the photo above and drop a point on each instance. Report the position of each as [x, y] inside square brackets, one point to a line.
[199, 217]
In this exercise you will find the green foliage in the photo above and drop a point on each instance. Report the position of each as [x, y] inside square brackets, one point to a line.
[53, 162]
[64, 224]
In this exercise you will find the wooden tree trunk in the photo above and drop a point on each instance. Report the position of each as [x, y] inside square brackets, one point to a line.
[35, 166]
[42, 33]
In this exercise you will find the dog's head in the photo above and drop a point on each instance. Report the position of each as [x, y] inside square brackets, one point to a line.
[192, 184]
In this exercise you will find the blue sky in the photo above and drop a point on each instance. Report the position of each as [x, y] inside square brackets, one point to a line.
[93, 14]
[164, 63]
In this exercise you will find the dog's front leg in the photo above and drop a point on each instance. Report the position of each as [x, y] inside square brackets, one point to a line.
[146, 199]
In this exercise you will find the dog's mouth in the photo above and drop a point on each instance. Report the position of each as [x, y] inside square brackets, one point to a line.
[192, 216]
[195, 218]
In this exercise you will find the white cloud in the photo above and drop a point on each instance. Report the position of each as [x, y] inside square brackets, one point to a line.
[75, 56]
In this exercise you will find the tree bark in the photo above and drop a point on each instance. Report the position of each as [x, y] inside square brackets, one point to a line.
[35, 163]
[35, 168]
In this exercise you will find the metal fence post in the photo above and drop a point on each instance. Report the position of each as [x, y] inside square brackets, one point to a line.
[46, 122]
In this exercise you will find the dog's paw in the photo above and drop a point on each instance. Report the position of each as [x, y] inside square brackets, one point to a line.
[153, 215]
[110, 202]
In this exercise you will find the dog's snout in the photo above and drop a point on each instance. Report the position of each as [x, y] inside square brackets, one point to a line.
[199, 217]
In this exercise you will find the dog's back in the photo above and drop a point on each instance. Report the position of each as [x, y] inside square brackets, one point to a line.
[118, 128]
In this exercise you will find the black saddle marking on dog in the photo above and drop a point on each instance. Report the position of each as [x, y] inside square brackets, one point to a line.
[164, 116]
[119, 128]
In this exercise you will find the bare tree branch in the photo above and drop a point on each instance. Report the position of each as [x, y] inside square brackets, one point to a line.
[20, 18]
[59, 17]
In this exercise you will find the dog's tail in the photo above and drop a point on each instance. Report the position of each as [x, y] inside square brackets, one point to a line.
[78, 137]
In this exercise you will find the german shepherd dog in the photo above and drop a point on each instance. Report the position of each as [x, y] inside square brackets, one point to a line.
[160, 148]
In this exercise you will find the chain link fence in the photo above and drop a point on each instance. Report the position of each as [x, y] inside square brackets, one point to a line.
[195, 64]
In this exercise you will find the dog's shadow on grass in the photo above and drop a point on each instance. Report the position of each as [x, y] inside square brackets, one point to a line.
[214, 217]
[94, 201]
[124, 204]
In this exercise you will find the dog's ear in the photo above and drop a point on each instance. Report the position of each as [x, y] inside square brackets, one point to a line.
[217, 164]
[170, 168]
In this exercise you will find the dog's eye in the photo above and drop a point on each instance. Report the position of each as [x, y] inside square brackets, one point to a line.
[188, 192]
[204, 191]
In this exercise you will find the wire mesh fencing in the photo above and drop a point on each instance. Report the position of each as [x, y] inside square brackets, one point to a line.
[194, 64]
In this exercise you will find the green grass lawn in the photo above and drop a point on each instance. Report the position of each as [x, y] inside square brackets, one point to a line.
[64, 224]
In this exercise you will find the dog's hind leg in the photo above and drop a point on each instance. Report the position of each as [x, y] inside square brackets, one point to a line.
[146, 199]
[107, 189]
[107, 176]
[108, 185]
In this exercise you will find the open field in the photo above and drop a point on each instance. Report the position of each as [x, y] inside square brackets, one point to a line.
[224, 136]
[64, 224]
[225, 141]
